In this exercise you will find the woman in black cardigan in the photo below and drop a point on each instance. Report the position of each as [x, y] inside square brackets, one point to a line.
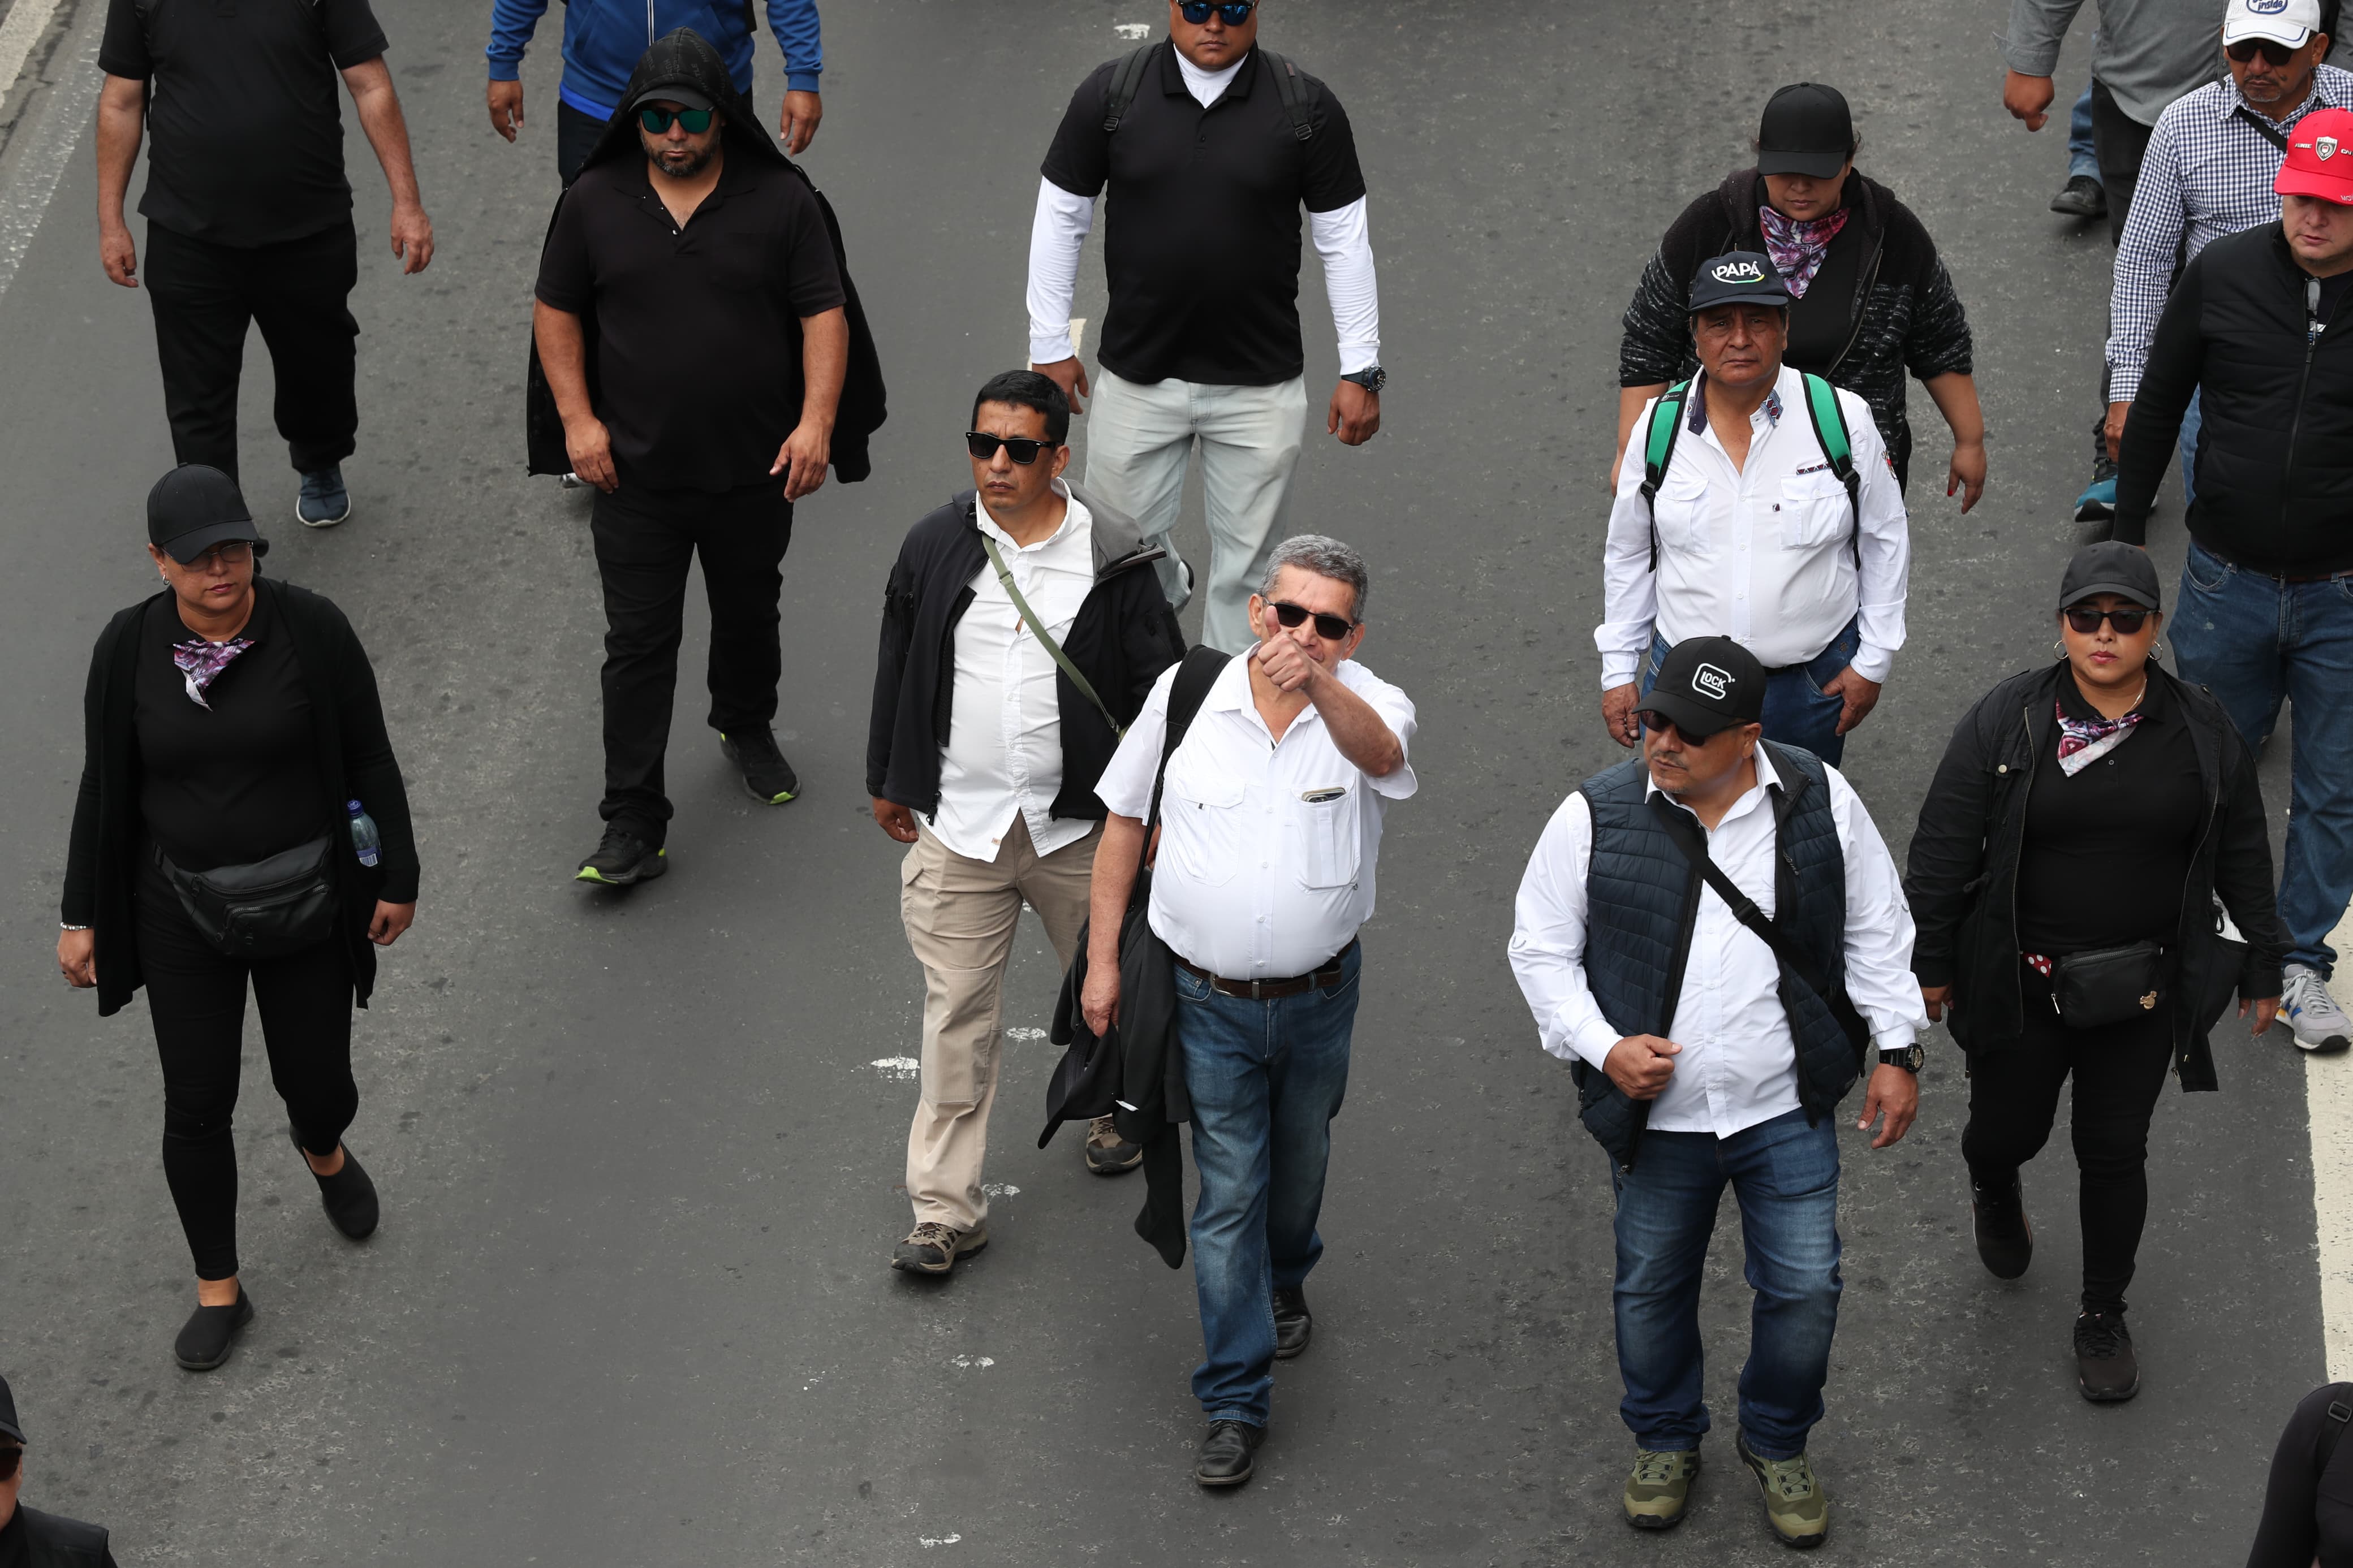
[2089, 824]
[231, 720]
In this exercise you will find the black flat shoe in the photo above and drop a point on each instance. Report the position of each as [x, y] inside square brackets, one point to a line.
[1294, 1325]
[1226, 1453]
[348, 1195]
[206, 1339]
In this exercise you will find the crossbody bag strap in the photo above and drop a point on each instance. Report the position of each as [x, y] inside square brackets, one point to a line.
[2264, 128]
[1054, 650]
[1195, 676]
[2324, 1447]
[1682, 831]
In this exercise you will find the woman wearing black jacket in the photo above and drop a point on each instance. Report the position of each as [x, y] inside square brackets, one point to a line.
[232, 721]
[1873, 300]
[2090, 821]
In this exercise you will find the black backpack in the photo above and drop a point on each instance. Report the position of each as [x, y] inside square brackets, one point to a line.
[1130, 76]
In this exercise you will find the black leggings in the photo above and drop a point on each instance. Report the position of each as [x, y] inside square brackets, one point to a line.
[196, 999]
[2119, 1072]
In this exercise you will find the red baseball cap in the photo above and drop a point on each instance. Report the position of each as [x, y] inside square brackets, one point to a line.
[2319, 161]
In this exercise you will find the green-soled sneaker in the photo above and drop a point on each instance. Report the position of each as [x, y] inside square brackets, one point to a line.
[623, 860]
[1660, 1489]
[766, 774]
[1796, 1506]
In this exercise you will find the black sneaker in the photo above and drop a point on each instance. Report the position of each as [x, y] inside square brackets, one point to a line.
[765, 773]
[2005, 1236]
[2080, 196]
[622, 860]
[209, 1334]
[2106, 1371]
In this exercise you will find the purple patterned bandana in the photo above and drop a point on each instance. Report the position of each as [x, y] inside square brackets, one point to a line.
[1797, 248]
[201, 663]
[2083, 741]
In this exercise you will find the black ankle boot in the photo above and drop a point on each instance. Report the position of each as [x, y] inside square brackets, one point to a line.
[2005, 1236]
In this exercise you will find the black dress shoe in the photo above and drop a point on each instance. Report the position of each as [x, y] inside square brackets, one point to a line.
[2005, 1236]
[206, 1339]
[1226, 1453]
[348, 1197]
[1294, 1325]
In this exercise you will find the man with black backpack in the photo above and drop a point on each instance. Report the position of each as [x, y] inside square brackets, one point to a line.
[1756, 503]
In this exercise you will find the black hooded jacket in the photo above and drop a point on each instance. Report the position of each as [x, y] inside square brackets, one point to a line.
[684, 59]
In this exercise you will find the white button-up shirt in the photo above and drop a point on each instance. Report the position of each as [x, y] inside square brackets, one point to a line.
[1761, 553]
[1739, 1065]
[1267, 846]
[1004, 755]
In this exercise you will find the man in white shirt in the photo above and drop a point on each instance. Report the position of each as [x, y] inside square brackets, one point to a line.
[1208, 146]
[1270, 828]
[983, 754]
[1749, 531]
[1702, 1057]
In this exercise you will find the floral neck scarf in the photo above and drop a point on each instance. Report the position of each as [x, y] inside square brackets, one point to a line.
[2083, 741]
[201, 663]
[1797, 248]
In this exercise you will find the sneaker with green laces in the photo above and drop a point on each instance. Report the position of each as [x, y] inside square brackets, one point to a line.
[1659, 1487]
[1796, 1506]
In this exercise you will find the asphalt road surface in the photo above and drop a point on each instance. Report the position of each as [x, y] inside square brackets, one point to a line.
[630, 1301]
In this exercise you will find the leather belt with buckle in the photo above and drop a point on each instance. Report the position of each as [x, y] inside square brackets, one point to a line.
[1268, 990]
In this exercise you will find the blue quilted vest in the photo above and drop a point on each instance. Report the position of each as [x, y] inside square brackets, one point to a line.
[1641, 901]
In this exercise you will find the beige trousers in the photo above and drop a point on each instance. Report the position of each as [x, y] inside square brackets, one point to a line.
[960, 915]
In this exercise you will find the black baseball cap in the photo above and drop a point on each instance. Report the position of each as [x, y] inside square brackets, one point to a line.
[2111, 566]
[1807, 130]
[1706, 685]
[194, 508]
[1738, 278]
[675, 92]
[8, 1424]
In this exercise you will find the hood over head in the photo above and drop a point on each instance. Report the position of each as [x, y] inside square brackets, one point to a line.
[684, 59]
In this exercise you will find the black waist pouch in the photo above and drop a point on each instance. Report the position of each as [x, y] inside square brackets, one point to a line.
[266, 909]
[2110, 984]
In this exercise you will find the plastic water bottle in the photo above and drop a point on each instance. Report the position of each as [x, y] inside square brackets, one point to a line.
[365, 840]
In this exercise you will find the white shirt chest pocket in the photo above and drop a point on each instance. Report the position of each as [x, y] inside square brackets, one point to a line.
[1814, 510]
[1325, 840]
[1679, 512]
[1201, 828]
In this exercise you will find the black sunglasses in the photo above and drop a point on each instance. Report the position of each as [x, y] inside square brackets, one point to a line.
[1331, 628]
[1234, 12]
[983, 446]
[9, 1460]
[2275, 54]
[693, 122]
[2086, 620]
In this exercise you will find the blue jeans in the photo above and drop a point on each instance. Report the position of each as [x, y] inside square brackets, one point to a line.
[1796, 710]
[1266, 1079]
[2083, 158]
[2256, 640]
[1785, 1175]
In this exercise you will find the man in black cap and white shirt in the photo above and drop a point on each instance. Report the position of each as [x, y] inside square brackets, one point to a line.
[29, 1537]
[1752, 527]
[1702, 1058]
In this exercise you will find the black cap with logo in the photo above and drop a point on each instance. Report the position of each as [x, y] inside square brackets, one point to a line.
[1807, 130]
[1738, 278]
[1706, 685]
[194, 508]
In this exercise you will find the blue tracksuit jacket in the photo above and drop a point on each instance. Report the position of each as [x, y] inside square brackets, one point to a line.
[603, 38]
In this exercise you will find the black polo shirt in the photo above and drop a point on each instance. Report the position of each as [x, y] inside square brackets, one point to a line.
[1203, 217]
[698, 331]
[245, 128]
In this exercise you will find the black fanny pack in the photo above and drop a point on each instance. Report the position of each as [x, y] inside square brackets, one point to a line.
[2109, 985]
[265, 910]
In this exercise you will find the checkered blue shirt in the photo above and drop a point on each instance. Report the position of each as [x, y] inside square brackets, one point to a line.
[2207, 174]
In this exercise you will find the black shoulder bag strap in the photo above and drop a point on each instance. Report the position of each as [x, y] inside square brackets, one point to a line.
[1195, 676]
[1124, 83]
[1293, 92]
[2324, 1446]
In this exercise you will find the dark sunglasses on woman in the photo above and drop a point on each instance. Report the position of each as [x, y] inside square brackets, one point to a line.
[2275, 55]
[693, 122]
[9, 1460]
[1234, 14]
[2086, 620]
[1331, 628]
[983, 445]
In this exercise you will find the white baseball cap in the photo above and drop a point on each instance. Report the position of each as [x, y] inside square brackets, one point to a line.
[2289, 22]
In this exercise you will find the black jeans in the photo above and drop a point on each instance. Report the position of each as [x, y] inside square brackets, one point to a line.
[195, 998]
[2119, 1071]
[646, 540]
[2121, 142]
[576, 137]
[205, 295]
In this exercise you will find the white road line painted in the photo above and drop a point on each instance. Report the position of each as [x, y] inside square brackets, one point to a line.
[1020, 1033]
[48, 146]
[971, 1361]
[26, 22]
[1131, 29]
[896, 1066]
[939, 1539]
[2329, 1111]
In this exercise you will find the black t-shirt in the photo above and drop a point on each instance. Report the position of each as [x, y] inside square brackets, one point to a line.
[244, 115]
[1203, 220]
[2107, 851]
[698, 350]
[238, 783]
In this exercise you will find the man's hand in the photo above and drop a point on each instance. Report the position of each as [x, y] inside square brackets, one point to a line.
[1071, 375]
[1618, 713]
[118, 253]
[1897, 1092]
[802, 459]
[589, 446]
[506, 108]
[797, 126]
[2266, 1009]
[1287, 664]
[894, 819]
[78, 958]
[1935, 999]
[1641, 1065]
[1355, 416]
[1860, 696]
[1968, 473]
[390, 920]
[1100, 998]
[412, 236]
[2028, 98]
[2114, 430]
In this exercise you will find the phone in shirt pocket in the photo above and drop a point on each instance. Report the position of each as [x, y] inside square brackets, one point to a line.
[1813, 510]
[1325, 843]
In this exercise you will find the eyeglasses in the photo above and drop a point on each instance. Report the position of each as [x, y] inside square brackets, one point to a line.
[1233, 13]
[2275, 54]
[693, 122]
[1331, 628]
[235, 553]
[2085, 620]
[983, 446]
[8, 1461]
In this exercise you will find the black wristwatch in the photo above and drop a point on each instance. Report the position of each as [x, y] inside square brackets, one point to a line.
[1909, 1059]
[1372, 378]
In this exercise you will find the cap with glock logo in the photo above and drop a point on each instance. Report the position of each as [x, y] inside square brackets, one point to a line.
[1706, 685]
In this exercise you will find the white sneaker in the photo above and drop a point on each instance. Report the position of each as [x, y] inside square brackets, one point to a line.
[2320, 1023]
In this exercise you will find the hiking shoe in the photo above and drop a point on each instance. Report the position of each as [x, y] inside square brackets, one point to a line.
[1294, 1325]
[765, 773]
[2081, 196]
[1225, 1458]
[933, 1248]
[325, 501]
[2106, 1371]
[622, 860]
[208, 1336]
[1795, 1504]
[2005, 1236]
[1107, 1152]
[2320, 1024]
[1659, 1487]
